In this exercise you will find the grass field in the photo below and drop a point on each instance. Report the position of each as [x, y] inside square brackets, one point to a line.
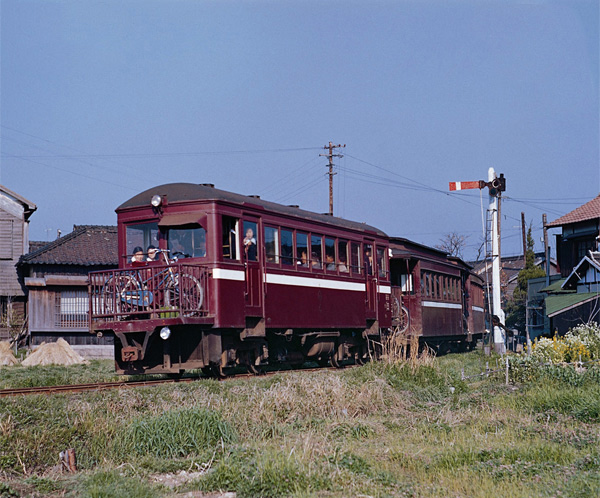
[379, 430]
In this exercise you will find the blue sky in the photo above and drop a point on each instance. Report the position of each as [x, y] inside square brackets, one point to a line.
[103, 99]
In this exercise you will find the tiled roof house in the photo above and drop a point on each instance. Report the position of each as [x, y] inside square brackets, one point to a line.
[55, 275]
[575, 298]
[580, 228]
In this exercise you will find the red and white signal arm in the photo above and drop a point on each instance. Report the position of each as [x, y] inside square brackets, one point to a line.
[465, 185]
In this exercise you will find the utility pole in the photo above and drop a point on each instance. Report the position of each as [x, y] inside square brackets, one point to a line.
[524, 237]
[546, 248]
[331, 155]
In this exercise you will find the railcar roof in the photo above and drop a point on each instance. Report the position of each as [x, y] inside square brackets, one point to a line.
[187, 192]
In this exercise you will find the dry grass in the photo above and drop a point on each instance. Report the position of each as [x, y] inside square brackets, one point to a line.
[393, 428]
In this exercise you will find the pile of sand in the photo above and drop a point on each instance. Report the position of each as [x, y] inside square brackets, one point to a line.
[7, 357]
[54, 353]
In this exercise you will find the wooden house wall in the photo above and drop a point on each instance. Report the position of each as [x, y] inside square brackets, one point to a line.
[573, 317]
[13, 244]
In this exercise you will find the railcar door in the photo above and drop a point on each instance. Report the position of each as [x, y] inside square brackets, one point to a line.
[252, 257]
[370, 280]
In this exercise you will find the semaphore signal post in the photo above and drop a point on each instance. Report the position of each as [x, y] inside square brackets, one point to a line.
[496, 186]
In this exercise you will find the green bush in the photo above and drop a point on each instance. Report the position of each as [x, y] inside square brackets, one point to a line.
[268, 474]
[174, 434]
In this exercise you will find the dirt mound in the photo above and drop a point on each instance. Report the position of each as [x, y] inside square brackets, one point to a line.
[54, 353]
[7, 357]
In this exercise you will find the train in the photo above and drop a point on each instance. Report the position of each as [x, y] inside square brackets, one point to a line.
[213, 280]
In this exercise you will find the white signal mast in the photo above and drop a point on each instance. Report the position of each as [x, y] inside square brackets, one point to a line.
[496, 186]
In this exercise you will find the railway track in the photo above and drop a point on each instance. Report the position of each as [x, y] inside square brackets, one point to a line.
[103, 386]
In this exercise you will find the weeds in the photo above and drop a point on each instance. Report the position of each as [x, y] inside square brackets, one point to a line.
[391, 428]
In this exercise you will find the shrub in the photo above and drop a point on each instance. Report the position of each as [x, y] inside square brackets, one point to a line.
[174, 434]
[589, 334]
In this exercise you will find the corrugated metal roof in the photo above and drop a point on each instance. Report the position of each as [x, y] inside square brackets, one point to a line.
[589, 211]
[559, 303]
[188, 192]
[86, 245]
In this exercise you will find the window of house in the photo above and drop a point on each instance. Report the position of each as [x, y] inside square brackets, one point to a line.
[6, 239]
[71, 309]
[272, 244]
[187, 242]
[287, 247]
[302, 249]
[230, 238]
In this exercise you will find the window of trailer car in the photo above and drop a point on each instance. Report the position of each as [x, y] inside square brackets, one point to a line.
[186, 241]
[140, 235]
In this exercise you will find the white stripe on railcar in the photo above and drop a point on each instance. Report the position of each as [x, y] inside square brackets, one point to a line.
[477, 308]
[436, 304]
[277, 279]
[225, 274]
[298, 281]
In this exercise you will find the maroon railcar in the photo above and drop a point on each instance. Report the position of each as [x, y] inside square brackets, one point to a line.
[238, 281]
[435, 296]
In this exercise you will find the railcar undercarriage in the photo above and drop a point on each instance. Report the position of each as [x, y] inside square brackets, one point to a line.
[175, 348]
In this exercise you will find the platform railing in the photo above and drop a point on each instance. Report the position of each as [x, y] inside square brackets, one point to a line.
[148, 291]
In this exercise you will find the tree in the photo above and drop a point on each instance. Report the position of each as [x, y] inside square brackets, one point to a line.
[516, 308]
[453, 244]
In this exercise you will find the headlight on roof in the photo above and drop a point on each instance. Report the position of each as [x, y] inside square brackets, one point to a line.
[156, 200]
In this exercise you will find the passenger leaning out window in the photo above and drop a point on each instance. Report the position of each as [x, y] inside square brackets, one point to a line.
[250, 245]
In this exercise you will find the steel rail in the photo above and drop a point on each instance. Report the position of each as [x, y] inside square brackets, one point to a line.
[101, 386]
[94, 386]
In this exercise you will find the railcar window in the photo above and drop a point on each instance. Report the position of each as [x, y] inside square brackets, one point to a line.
[355, 262]
[187, 242]
[330, 254]
[406, 284]
[287, 247]
[141, 235]
[316, 252]
[250, 240]
[381, 262]
[230, 238]
[343, 255]
[369, 258]
[302, 249]
[272, 244]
